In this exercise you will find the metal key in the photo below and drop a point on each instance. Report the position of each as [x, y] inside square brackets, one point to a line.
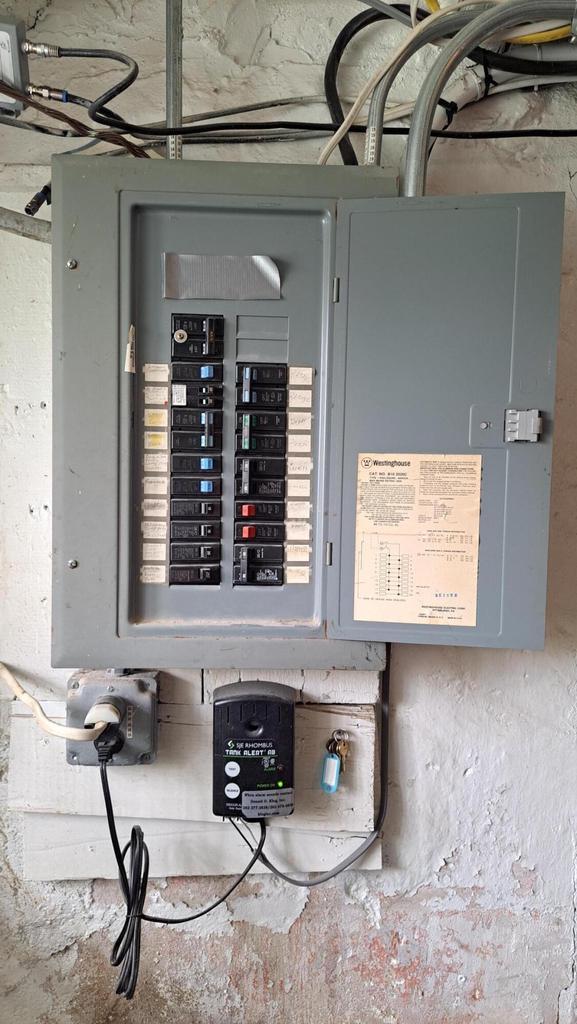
[339, 744]
[342, 748]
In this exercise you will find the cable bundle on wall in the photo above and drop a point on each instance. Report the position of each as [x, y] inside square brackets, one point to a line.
[546, 64]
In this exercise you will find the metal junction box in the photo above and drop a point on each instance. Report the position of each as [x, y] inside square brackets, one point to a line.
[296, 416]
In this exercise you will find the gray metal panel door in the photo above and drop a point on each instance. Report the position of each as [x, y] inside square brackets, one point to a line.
[448, 317]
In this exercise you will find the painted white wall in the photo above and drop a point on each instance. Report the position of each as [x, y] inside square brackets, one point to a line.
[474, 917]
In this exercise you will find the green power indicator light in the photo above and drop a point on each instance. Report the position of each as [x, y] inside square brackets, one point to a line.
[280, 784]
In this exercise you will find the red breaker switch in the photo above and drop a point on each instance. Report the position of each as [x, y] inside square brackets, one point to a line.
[248, 532]
[248, 511]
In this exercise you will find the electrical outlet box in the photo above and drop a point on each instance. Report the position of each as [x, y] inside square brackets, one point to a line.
[135, 694]
[13, 62]
[283, 415]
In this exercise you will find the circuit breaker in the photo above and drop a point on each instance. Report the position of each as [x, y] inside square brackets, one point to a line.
[296, 416]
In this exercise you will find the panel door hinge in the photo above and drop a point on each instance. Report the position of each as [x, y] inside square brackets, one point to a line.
[523, 424]
[329, 553]
[336, 289]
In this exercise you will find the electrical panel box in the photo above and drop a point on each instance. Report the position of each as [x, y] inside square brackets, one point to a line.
[296, 417]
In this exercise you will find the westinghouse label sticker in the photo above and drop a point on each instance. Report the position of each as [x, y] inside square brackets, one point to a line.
[417, 538]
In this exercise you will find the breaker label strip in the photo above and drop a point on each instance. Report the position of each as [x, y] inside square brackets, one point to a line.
[299, 472]
[153, 524]
[158, 372]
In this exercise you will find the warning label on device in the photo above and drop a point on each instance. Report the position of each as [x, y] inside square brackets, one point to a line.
[417, 538]
[261, 803]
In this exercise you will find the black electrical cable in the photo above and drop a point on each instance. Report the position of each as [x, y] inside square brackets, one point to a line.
[114, 55]
[520, 133]
[306, 134]
[225, 895]
[486, 58]
[81, 129]
[126, 949]
[383, 799]
[347, 33]
[97, 107]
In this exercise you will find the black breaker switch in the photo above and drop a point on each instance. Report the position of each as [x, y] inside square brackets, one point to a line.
[261, 467]
[256, 575]
[259, 532]
[261, 373]
[248, 482]
[257, 553]
[259, 422]
[194, 464]
[183, 372]
[182, 509]
[187, 530]
[201, 396]
[198, 574]
[194, 552]
[272, 398]
[265, 510]
[196, 337]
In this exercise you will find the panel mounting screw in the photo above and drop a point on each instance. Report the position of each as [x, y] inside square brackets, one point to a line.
[180, 336]
[71, 264]
[72, 563]
[74, 686]
[74, 756]
[484, 425]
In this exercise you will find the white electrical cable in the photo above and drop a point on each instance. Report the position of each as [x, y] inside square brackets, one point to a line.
[382, 70]
[470, 88]
[64, 732]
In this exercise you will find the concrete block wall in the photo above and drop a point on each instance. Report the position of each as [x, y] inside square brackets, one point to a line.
[474, 916]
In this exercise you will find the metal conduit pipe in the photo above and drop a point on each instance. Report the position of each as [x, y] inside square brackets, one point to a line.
[26, 227]
[452, 22]
[485, 26]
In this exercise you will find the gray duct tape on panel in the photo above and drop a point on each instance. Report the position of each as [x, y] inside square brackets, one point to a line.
[205, 276]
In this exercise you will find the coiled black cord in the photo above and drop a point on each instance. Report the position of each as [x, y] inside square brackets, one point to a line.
[134, 882]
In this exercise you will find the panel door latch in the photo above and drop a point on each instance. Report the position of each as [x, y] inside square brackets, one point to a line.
[523, 424]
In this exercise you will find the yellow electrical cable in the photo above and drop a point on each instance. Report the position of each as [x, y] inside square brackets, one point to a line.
[548, 36]
[563, 32]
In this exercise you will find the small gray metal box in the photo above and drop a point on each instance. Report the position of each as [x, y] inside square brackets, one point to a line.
[13, 62]
[405, 326]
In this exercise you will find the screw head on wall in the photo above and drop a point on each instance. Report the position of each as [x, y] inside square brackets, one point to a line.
[72, 563]
[71, 264]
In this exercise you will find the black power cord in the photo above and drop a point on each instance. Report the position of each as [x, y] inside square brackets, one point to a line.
[134, 882]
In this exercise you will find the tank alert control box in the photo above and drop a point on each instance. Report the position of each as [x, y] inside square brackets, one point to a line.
[253, 750]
